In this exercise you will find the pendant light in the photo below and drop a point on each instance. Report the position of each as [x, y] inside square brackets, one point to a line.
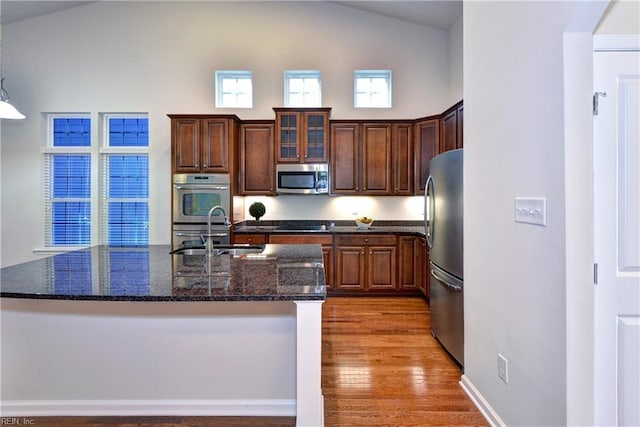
[7, 111]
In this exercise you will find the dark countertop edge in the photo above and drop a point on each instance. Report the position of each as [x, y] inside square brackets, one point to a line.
[410, 228]
[168, 298]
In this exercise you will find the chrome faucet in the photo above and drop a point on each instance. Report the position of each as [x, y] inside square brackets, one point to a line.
[209, 242]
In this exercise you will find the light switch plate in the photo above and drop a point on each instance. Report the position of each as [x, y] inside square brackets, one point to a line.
[531, 210]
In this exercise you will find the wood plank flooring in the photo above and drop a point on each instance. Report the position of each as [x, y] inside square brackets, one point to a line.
[380, 367]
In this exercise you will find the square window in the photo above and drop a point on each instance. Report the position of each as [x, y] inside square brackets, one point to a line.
[303, 88]
[234, 89]
[372, 89]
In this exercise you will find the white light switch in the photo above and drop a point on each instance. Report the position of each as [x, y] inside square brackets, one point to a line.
[531, 210]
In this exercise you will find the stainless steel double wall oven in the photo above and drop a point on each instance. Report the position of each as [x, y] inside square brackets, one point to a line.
[193, 196]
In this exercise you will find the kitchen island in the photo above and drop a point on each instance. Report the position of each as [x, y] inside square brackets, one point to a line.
[138, 331]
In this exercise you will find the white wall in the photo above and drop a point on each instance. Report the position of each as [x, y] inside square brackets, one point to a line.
[160, 57]
[515, 274]
[456, 49]
[621, 17]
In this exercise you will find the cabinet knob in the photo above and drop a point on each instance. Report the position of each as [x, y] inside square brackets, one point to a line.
[362, 253]
[366, 239]
[370, 252]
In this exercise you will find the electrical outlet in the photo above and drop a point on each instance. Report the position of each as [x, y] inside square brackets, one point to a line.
[503, 368]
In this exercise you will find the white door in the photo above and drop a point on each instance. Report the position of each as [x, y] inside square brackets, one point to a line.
[617, 238]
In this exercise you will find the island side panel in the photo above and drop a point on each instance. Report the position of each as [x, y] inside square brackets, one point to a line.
[140, 358]
[309, 398]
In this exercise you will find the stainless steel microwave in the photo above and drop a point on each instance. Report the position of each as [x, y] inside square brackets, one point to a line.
[304, 178]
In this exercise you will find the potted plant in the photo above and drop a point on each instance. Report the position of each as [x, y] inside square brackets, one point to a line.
[257, 210]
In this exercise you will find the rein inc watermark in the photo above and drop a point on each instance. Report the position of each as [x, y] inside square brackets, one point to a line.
[16, 421]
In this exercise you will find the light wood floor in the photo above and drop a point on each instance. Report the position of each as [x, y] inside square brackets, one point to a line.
[380, 367]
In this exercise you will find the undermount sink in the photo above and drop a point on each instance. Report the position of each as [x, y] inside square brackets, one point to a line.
[234, 250]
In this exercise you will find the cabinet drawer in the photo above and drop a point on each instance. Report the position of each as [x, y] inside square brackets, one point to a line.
[251, 238]
[324, 239]
[367, 239]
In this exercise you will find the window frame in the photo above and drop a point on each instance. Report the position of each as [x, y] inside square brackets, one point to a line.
[49, 151]
[302, 74]
[98, 151]
[221, 75]
[106, 151]
[370, 74]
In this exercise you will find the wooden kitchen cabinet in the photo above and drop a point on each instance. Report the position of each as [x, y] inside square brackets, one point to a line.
[302, 135]
[424, 271]
[413, 264]
[376, 159]
[251, 239]
[403, 163]
[451, 128]
[256, 174]
[427, 146]
[326, 240]
[361, 158]
[345, 158]
[202, 144]
[366, 262]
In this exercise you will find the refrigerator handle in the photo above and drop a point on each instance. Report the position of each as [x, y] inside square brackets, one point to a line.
[449, 282]
[428, 203]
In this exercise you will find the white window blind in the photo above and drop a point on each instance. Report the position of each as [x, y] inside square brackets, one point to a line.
[67, 182]
[125, 182]
[120, 198]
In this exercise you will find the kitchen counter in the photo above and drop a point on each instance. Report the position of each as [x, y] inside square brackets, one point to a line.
[279, 273]
[411, 228]
[138, 331]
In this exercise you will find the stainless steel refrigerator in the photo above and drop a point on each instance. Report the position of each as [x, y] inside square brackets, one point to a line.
[443, 227]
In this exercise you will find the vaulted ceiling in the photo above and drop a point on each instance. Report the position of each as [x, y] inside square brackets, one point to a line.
[435, 14]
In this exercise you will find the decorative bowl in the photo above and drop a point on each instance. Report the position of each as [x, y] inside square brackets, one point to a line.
[364, 223]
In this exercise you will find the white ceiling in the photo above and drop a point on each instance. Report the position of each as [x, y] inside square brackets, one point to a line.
[435, 14]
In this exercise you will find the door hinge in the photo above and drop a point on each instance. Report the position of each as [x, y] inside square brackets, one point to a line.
[596, 95]
[595, 273]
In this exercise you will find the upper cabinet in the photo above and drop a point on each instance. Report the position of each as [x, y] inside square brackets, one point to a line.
[451, 128]
[302, 135]
[426, 146]
[361, 158]
[202, 144]
[403, 158]
[256, 168]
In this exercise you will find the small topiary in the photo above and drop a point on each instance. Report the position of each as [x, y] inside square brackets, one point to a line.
[257, 210]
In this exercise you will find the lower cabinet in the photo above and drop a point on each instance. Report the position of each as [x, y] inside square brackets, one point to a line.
[363, 263]
[413, 259]
[366, 262]
[326, 240]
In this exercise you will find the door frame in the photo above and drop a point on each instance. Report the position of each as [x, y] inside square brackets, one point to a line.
[579, 237]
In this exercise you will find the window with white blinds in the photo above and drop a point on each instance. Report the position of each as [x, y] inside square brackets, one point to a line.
[67, 186]
[112, 207]
[125, 182]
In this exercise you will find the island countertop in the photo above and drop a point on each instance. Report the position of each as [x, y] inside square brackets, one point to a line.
[151, 273]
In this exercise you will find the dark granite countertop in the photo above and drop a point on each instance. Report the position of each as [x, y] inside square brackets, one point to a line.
[414, 228]
[151, 273]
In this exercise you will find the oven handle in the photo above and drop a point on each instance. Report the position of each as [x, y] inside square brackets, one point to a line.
[201, 187]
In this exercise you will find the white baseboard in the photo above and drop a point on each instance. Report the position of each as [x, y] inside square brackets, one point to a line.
[70, 408]
[492, 417]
